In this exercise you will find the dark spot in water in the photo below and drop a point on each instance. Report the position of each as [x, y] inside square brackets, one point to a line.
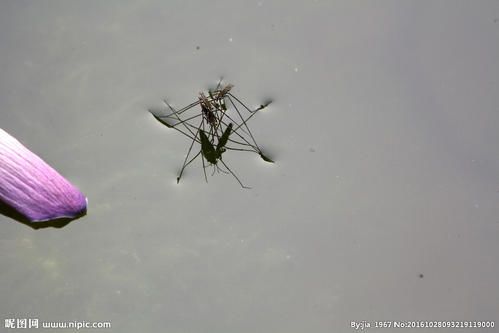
[197, 47]
[496, 20]
[421, 276]
[312, 150]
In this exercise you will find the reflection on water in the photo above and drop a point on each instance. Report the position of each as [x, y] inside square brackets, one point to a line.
[14, 215]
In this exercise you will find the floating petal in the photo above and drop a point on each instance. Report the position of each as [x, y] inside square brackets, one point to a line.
[32, 187]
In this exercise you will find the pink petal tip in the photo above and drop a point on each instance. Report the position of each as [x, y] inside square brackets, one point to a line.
[32, 187]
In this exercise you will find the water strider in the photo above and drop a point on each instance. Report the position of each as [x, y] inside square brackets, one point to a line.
[209, 123]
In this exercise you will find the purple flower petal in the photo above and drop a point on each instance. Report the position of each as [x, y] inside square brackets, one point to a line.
[32, 187]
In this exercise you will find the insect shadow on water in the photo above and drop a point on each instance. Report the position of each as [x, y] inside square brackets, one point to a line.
[218, 123]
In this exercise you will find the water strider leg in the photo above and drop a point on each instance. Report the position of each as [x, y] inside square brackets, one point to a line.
[238, 180]
[189, 152]
[180, 121]
[244, 122]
